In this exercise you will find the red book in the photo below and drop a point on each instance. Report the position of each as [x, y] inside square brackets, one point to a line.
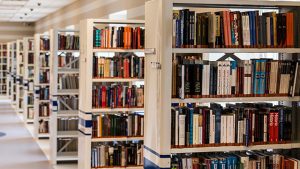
[103, 98]
[138, 37]
[119, 95]
[126, 68]
[276, 124]
[271, 126]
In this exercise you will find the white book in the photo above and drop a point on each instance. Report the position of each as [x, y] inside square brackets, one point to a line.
[253, 127]
[115, 37]
[200, 134]
[184, 163]
[219, 76]
[195, 129]
[245, 161]
[233, 129]
[203, 80]
[228, 78]
[223, 129]
[244, 30]
[212, 128]
[189, 163]
[248, 30]
[229, 124]
[249, 78]
[181, 129]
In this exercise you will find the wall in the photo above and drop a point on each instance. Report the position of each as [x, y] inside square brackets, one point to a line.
[10, 31]
[83, 9]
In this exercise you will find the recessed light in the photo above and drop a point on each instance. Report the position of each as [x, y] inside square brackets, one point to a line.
[21, 17]
[31, 9]
[25, 14]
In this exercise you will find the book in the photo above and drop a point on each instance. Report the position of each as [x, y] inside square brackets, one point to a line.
[232, 29]
[196, 78]
[68, 42]
[237, 124]
[44, 43]
[129, 66]
[117, 154]
[68, 60]
[114, 125]
[124, 37]
[117, 96]
[67, 124]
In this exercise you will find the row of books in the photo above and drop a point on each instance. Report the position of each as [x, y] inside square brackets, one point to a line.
[68, 81]
[44, 110]
[44, 76]
[242, 124]
[43, 126]
[44, 44]
[68, 42]
[67, 124]
[44, 93]
[119, 154]
[127, 37]
[44, 60]
[109, 125]
[69, 60]
[30, 86]
[30, 99]
[238, 160]
[226, 29]
[30, 58]
[117, 96]
[67, 144]
[30, 113]
[118, 66]
[68, 102]
[31, 45]
[193, 77]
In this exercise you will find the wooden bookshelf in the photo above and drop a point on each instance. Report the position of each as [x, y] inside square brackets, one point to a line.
[3, 70]
[158, 80]
[28, 79]
[12, 68]
[38, 85]
[87, 81]
[57, 102]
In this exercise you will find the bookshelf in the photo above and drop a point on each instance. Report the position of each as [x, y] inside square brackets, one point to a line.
[12, 68]
[28, 79]
[158, 104]
[87, 111]
[3, 70]
[19, 76]
[64, 98]
[9, 72]
[42, 85]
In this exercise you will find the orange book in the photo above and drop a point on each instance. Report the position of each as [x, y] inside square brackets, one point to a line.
[129, 37]
[138, 32]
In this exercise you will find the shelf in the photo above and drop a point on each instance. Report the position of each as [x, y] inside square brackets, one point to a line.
[66, 70]
[30, 121]
[236, 50]
[73, 51]
[103, 110]
[116, 80]
[118, 50]
[30, 65]
[234, 148]
[44, 101]
[67, 156]
[67, 113]
[232, 3]
[236, 99]
[67, 134]
[43, 135]
[67, 92]
[116, 138]
[44, 117]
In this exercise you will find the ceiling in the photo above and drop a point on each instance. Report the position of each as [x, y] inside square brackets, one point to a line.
[29, 10]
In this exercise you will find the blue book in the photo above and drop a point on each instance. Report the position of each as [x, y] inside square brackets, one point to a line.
[254, 27]
[250, 26]
[229, 162]
[191, 125]
[178, 33]
[254, 73]
[234, 162]
[222, 163]
[262, 82]
[217, 125]
[214, 163]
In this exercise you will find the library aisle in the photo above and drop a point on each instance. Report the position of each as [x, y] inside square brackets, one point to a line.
[17, 145]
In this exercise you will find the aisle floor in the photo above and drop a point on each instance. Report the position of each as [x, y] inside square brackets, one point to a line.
[18, 149]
